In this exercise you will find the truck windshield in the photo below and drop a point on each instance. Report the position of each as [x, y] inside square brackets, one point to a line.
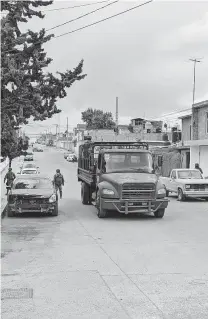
[189, 174]
[141, 162]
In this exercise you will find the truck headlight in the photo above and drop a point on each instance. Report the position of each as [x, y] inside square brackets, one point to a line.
[188, 186]
[52, 199]
[161, 191]
[106, 191]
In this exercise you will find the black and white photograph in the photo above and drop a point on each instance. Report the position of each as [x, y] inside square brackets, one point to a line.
[104, 159]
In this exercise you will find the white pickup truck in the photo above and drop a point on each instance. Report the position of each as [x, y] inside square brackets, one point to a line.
[186, 183]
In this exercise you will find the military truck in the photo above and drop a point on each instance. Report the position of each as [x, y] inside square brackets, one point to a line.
[119, 176]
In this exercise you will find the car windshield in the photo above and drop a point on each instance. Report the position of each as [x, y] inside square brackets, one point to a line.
[43, 183]
[189, 174]
[29, 171]
[141, 162]
[29, 166]
[29, 154]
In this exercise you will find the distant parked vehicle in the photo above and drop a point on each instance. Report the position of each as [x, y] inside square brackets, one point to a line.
[67, 153]
[72, 158]
[186, 183]
[37, 149]
[28, 157]
[29, 171]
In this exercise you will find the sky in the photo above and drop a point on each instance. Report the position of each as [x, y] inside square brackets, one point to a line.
[141, 56]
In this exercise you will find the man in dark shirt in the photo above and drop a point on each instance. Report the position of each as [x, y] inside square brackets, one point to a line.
[199, 168]
[58, 181]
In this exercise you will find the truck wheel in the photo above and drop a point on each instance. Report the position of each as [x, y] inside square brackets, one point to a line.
[159, 213]
[55, 211]
[85, 193]
[101, 213]
[10, 213]
[181, 196]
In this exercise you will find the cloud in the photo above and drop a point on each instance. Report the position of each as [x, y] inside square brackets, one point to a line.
[192, 33]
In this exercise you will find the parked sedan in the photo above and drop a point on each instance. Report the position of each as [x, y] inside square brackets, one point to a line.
[66, 154]
[29, 171]
[32, 193]
[28, 157]
[72, 158]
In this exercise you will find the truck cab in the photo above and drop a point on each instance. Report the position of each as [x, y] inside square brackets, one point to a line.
[119, 176]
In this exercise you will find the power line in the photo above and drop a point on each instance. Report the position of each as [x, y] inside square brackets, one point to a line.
[72, 7]
[99, 21]
[84, 15]
[79, 6]
[86, 26]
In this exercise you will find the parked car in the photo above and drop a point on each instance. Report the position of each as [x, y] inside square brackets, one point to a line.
[66, 154]
[186, 183]
[72, 158]
[37, 149]
[29, 171]
[28, 157]
[32, 193]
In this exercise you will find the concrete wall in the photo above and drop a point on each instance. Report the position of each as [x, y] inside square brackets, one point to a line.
[186, 133]
[200, 123]
[109, 135]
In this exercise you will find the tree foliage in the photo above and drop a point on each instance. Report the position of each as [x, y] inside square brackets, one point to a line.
[27, 90]
[98, 119]
[11, 144]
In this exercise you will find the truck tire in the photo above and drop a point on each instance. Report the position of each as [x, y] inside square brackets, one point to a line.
[55, 211]
[181, 196]
[10, 213]
[101, 213]
[159, 213]
[85, 193]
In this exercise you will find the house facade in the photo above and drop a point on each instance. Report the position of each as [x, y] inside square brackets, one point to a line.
[195, 135]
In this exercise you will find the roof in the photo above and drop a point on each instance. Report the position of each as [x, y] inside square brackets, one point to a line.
[185, 116]
[201, 104]
[124, 151]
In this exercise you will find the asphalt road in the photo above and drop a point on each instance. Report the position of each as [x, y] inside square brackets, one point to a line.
[77, 266]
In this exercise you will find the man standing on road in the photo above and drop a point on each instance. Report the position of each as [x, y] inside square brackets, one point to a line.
[9, 178]
[58, 181]
[199, 168]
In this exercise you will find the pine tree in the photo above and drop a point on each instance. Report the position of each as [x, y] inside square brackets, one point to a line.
[27, 90]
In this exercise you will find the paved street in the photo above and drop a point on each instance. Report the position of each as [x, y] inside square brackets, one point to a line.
[79, 266]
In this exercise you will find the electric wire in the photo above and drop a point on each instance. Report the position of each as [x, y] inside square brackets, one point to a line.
[102, 20]
[82, 16]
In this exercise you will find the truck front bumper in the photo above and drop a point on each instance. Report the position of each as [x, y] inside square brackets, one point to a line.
[196, 194]
[134, 206]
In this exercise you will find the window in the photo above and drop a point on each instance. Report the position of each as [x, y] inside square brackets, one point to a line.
[173, 174]
[207, 123]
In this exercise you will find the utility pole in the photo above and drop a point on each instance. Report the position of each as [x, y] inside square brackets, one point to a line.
[194, 82]
[195, 61]
[116, 115]
[67, 132]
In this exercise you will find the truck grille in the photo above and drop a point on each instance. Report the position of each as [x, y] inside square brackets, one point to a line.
[138, 191]
[199, 187]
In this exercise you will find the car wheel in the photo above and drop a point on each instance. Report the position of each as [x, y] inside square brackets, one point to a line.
[159, 213]
[101, 213]
[10, 213]
[85, 194]
[55, 211]
[181, 196]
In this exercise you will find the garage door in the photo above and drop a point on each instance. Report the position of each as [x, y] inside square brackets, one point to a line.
[203, 159]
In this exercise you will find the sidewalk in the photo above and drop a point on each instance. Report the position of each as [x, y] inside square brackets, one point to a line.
[15, 167]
